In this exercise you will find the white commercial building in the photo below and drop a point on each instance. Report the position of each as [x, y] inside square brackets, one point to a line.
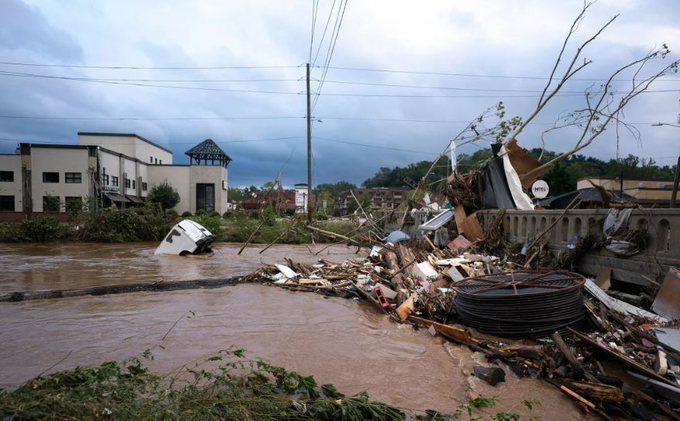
[110, 169]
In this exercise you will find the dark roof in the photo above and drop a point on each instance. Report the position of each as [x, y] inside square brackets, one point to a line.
[125, 135]
[208, 151]
[55, 145]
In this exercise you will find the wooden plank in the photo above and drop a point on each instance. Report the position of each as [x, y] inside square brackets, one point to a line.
[604, 278]
[454, 333]
[471, 228]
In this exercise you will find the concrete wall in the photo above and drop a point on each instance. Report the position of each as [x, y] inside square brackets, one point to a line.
[210, 174]
[177, 176]
[61, 160]
[661, 225]
[132, 146]
[145, 152]
[12, 163]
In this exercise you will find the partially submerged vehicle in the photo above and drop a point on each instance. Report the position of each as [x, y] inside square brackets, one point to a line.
[187, 237]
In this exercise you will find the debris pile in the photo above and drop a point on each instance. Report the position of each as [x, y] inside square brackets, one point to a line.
[464, 294]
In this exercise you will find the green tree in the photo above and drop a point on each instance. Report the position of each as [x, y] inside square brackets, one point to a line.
[333, 189]
[165, 195]
[234, 193]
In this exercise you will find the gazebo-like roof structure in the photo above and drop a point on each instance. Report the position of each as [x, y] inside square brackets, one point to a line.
[208, 153]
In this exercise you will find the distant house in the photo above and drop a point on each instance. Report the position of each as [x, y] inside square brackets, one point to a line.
[379, 197]
[283, 200]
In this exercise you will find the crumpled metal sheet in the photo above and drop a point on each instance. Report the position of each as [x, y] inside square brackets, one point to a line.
[616, 218]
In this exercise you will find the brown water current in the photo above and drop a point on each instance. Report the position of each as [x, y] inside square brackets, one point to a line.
[344, 342]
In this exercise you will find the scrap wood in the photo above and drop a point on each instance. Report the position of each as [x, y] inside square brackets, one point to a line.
[471, 229]
[455, 333]
[577, 397]
[598, 391]
[312, 281]
[573, 362]
[407, 307]
[622, 358]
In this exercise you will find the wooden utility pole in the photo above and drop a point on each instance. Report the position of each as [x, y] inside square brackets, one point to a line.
[309, 151]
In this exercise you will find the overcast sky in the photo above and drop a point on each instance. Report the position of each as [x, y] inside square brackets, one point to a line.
[483, 38]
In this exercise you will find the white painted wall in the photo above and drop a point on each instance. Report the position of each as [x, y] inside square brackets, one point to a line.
[12, 163]
[177, 176]
[145, 151]
[130, 172]
[120, 144]
[61, 160]
[111, 164]
[132, 146]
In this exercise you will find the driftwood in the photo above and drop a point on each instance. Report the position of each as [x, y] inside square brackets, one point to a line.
[573, 362]
[598, 392]
[118, 289]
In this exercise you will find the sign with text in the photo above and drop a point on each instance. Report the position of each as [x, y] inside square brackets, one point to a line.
[540, 189]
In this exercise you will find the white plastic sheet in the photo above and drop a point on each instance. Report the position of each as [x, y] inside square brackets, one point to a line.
[521, 199]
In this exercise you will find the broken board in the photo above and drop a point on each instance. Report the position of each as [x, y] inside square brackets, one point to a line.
[667, 302]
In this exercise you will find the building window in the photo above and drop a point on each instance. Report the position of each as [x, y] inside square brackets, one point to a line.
[7, 203]
[205, 197]
[128, 183]
[151, 159]
[50, 203]
[105, 179]
[114, 181]
[156, 160]
[133, 184]
[50, 177]
[160, 162]
[144, 186]
[73, 177]
[7, 176]
[73, 204]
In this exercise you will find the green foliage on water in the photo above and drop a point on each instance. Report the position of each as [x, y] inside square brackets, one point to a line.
[236, 389]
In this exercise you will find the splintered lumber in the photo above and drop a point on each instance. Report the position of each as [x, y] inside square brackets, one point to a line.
[311, 281]
[454, 333]
[577, 397]
[406, 308]
[573, 362]
[599, 392]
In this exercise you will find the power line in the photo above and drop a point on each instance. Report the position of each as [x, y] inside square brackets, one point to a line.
[91, 80]
[81, 66]
[358, 69]
[323, 36]
[331, 50]
[404, 120]
[315, 11]
[467, 89]
[144, 118]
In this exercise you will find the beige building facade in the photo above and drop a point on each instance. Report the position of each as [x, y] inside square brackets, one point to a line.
[640, 189]
[108, 169]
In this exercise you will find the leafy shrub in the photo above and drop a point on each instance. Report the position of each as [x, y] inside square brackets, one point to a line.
[122, 225]
[186, 214]
[164, 194]
[228, 215]
[201, 212]
[214, 213]
[37, 230]
[171, 213]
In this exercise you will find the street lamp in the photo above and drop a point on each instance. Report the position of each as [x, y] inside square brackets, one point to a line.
[674, 195]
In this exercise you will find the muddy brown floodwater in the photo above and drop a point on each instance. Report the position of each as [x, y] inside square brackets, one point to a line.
[339, 341]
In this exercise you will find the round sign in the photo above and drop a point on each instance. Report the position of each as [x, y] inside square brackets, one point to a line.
[540, 189]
